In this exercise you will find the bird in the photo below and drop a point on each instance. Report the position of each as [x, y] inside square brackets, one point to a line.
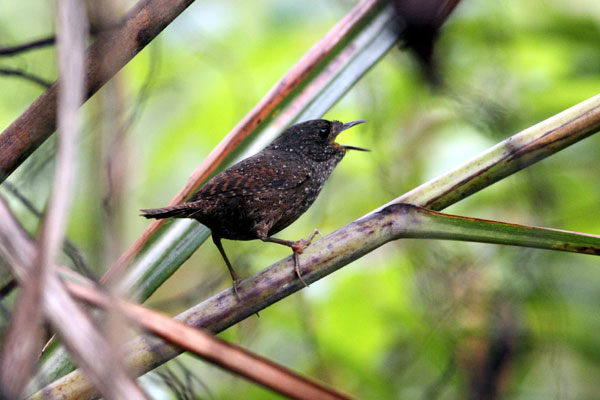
[261, 195]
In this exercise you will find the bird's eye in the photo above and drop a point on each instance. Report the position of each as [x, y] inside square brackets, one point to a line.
[324, 132]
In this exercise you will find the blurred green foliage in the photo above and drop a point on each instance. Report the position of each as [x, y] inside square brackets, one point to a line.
[416, 318]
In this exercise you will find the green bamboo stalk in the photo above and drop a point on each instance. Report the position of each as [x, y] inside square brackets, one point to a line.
[507, 157]
[427, 224]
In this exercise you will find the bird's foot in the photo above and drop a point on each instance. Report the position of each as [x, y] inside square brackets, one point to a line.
[299, 245]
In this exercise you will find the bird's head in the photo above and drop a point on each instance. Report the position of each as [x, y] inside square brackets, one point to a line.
[316, 139]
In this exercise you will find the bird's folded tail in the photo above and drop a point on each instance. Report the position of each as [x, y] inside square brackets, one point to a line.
[178, 211]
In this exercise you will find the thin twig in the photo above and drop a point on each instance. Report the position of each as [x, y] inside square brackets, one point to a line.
[21, 48]
[49, 41]
[25, 75]
[7, 288]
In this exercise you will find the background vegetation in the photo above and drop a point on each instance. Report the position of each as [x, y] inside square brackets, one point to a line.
[416, 318]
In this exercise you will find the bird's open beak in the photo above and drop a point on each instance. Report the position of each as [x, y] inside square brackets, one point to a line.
[350, 125]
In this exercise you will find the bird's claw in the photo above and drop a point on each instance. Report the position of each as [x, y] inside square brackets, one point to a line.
[236, 282]
[297, 269]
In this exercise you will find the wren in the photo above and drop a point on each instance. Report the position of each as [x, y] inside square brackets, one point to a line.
[263, 194]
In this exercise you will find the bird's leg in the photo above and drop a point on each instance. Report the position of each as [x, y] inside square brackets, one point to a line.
[297, 247]
[234, 275]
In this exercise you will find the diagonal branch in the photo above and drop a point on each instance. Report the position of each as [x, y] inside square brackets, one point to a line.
[509, 156]
[105, 57]
[46, 41]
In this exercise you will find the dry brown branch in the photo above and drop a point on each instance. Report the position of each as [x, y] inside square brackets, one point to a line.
[107, 55]
[291, 80]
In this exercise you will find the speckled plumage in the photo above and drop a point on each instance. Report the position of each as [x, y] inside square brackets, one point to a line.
[263, 194]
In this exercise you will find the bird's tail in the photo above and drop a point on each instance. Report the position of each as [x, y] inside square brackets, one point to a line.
[178, 211]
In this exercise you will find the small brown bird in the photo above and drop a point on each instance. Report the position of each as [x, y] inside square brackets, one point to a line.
[263, 194]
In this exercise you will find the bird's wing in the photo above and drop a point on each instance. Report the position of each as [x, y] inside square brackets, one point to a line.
[253, 176]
